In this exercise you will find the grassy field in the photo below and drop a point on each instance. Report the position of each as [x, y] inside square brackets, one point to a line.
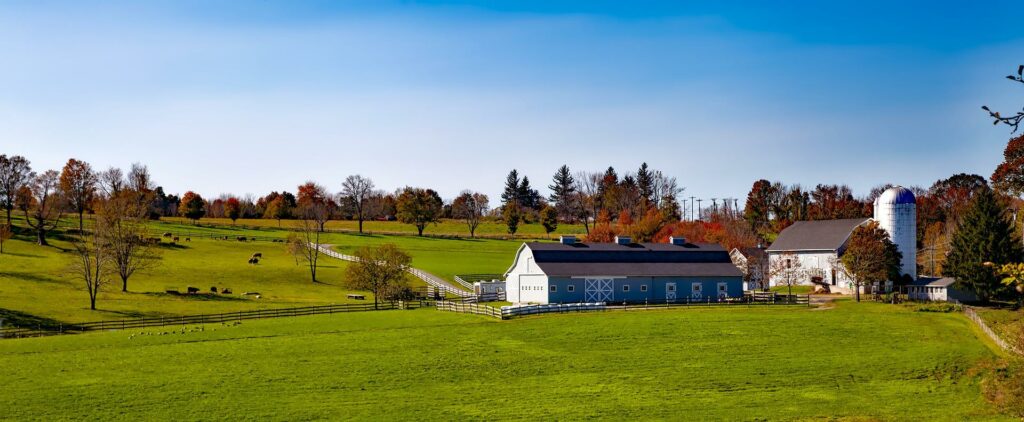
[1006, 322]
[446, 227]
[855, 361]
[35, 283]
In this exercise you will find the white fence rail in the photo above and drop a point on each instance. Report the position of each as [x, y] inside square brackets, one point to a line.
[428, 278]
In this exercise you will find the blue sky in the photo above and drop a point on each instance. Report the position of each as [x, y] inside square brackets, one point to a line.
[248, 97]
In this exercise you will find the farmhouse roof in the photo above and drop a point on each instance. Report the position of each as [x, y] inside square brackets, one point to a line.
[934, 281]
[636, 259]
[820, 235]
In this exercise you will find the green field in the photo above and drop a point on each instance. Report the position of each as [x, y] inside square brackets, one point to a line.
[855, 361]
[36, 285]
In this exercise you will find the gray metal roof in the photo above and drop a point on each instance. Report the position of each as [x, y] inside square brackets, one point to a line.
[934, 281]
[640, 269]
[820, 235]
[636, 259]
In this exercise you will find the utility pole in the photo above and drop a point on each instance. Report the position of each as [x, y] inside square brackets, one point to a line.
[714, 205]
[699, 211]
[691, 208]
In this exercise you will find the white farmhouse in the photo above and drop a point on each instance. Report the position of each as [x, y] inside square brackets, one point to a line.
[818, 245]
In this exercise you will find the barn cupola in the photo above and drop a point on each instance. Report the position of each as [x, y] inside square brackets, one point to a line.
[623, 240]
[567, 240]
[677, 240]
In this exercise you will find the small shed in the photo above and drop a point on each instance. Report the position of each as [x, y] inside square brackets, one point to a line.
[938, 290]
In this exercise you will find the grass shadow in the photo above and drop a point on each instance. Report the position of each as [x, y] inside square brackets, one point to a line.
[24, 320]
[34, 277]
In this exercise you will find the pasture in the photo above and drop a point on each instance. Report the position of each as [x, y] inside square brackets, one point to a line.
[855, 361]
[36, 284]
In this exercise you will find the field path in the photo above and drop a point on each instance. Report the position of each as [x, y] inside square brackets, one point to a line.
[428, 278]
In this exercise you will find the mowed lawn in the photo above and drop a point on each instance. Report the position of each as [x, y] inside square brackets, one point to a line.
[856, 361]
[36, 282]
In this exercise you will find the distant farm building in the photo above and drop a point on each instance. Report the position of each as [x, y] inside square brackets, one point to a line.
[574, 272]
[938, 289]
[752, 262]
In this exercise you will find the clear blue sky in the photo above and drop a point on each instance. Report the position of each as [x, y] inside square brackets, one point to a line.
[248, 97]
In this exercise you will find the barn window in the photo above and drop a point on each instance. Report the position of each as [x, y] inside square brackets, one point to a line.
[625, 287]
[643, 287]
[672, 287]
[570, 288]
[554, 288]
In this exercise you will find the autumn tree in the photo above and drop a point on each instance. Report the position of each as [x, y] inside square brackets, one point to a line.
[603, 232]
[46, 207]
[870, 257]
[549, 219]
[278, 208]
[1009, 175]
[757, 210]
[193, 206]
[140, 184]
[563, 190]
[418, 207]
[15, 174]
[379, 270]
[1012, 120]
[78, 185]
[232, 209]
[315, 198]
[585, 198]
[472, 207]
[356, 191]
[985, 240]
[1013, 277]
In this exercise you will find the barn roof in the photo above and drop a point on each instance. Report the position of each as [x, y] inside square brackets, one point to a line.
[635, 259]
[934, 281]
[820, 235]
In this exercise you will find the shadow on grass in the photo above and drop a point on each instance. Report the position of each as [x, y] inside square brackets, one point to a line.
[201, 297]
[21, 255]
[34, 277]
[21, 319]
[177, 246]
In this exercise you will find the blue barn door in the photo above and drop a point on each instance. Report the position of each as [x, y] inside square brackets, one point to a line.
[598, 290]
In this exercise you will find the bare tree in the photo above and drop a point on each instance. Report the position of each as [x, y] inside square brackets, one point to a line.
[122, 223]
[46, 207]
[786, 270]
[472, 207]
[111, 182]
[355, 191]
[15, 173]
[378, 270]
[91, 260]
[585, 197]
[307, 242]
[1013, 120]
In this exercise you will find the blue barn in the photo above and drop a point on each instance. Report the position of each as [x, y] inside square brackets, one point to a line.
[575, 272]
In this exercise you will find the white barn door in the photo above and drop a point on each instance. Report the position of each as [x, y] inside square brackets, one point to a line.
[598, 290]
[670, 292]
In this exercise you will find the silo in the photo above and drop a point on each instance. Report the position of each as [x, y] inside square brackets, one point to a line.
[896, 212]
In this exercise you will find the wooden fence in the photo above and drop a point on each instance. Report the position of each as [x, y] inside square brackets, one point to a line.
[205, 318]
[469, 308]
[973, 316]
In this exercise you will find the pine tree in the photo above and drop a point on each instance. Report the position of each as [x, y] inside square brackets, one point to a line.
[511, 193]
[645, 184]
[528, 197]
[984, 242]
[563, 188]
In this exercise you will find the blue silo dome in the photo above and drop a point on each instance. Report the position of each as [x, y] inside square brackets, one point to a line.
[896, 195]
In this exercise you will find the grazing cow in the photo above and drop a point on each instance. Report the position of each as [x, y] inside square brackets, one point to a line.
[193, 290]
[213, 289]
[226, 291]
[168, 234]
[257, 255]
[188, 239]
[241, 238]
[175, 240]
[254, 260]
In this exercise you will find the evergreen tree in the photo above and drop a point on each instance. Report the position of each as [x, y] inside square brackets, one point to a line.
[984, 242]
[756, 211]
[645, 183]
[528, 197]
[511, 192]
[563, 188]
[511, 215]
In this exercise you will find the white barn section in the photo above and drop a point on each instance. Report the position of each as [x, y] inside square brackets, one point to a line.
[896, 213]
[816, 247]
